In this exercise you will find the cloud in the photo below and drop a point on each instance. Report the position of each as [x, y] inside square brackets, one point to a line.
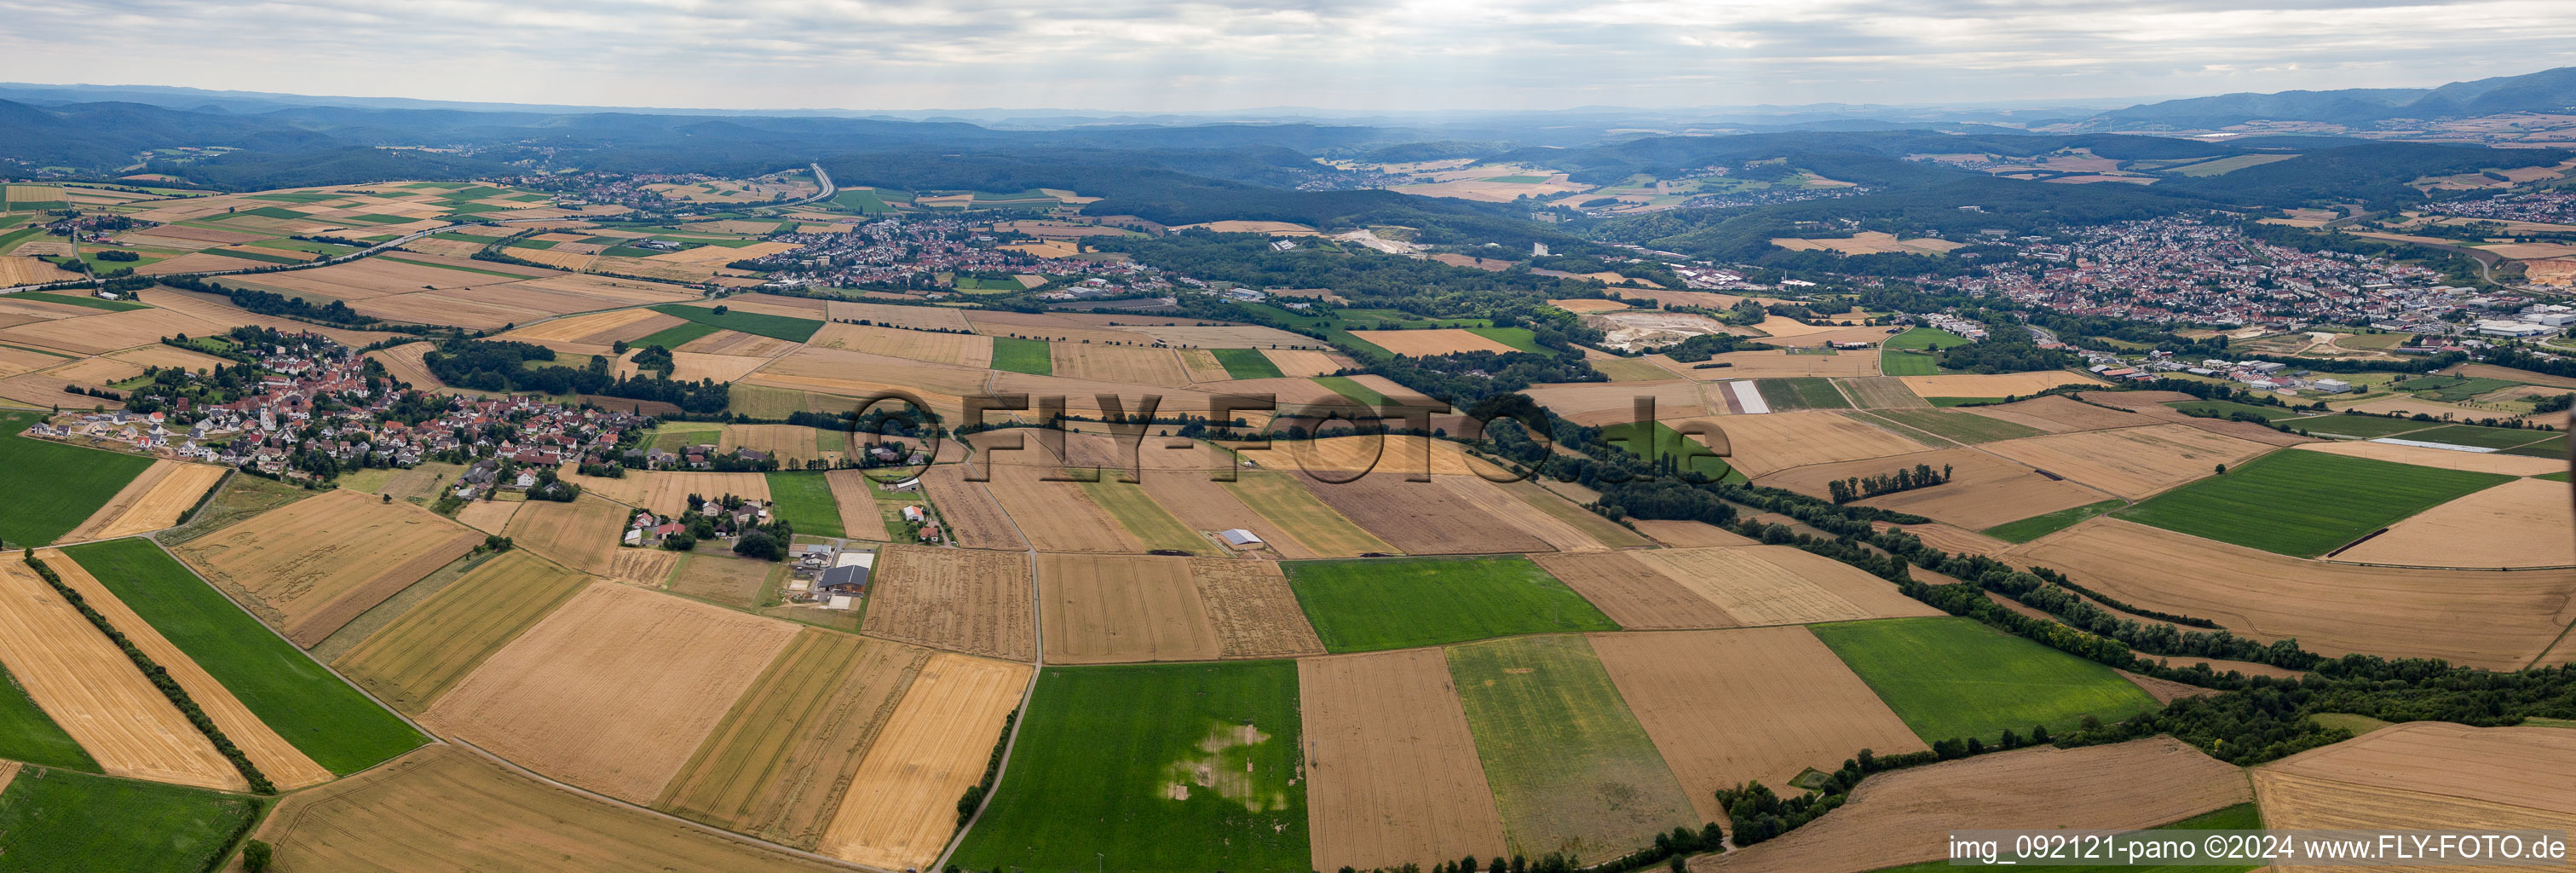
[1224, 54]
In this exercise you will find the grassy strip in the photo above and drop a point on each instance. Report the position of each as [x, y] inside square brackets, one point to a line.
[324, 717]
[1247, 364]
[674, 337]
[160, 678]
[1373, 604]
[1016, 355]
[76, 300]
[2038, 526]
[794, 330]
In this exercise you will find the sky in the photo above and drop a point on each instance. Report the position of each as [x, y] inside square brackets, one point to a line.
[1218, 55]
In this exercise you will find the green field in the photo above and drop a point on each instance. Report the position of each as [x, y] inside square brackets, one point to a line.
[58, 820]
[860, 201]
[2368, 427]
[2553, 447]
[1894, 362]
[1966, 427]
[27, 734]
[673, 337]
[2304, 503]
[2482, 437]
[263, 212]
[1247, 364]
[2241, 817]
[309, 706]
[1805, 392]
[1143, 518]
[2451, 389]
[1690, 454]
[1947, 402]
[1033, 357]
[794, 330]
[53, 487]
[1369, 604]
[1094, 775]
[1518, 338]
[1352, 390]
[1953, 678]
[83, 300]
[2224, 408]
[805, 503]
[2038, 526]
[1571, 769]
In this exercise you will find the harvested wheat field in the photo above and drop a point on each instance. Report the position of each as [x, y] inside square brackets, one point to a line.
[1433, 341]
[2063, 415]
[1764, 444]
[311, 566]
[581, 327]
[1776, 364]
[970, 516]
[2130, 462]
[900, 809]
[1499, 505]
[791, 444]
[2521, 523]
[15, 271]
[157, 499]
[414, 660]
[1423, 518]
[2476, 462]
[446, 808]
[614, 690]
[1387, 457]
[1906, 816]
[1953, 539]
[87, 685]
[1392, 767]
[1056, 516]
[1283, 500]
[489, 516]
[1301, 363]
[1767, 585]
[107, 332]
[1204, 505]
[776, 766]
[1133, 365]
[736, 344]
[855, 497]
[276, 758]
[1994, 384]
[581, 534]
[1983, 490]
[96, 372]
[2427, 775]
[640, 566]
[1726, 707]
[1104, 609]
[960, 349]
[1633, 593]
[968, 601]
[1688, 534]
[2498, 621]
[912, 317]
[1255, 614]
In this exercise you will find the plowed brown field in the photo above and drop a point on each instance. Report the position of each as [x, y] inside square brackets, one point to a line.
[901, 806]
[313, 565]
[1422, 518]
[2498, 621]
[1906, 816]
[86, 685]
[1727, 707]
[154, 500]
[1393, 768]
[614, 690]
[957, 599]
[1055, 516]
[1500, 506]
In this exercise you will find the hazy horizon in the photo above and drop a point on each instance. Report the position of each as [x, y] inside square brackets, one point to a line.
[1333, 57]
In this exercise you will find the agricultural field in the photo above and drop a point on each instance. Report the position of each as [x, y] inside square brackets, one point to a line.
[1101, 609]
[1634, 594]
[1393, 603]
[2135, 462]
[1023, 356]
[326, 720]
[29, 736]
[1726, 707]
[1952, 678]
[961, 600]
[55, 487]
[581, 534]
[414, 660]
[302, 565]
[1768, 585]
[1761, 444]
[165, 492]
[776, 765]
[2426, 775]
[2305, 503]
[88, 687]
[445, 808]
[1802, 393]
[2037, 526]
[1963, 427]
[2516, 524]
[1906, 816]
[614, 690]
[1392, 773]
[1982, 491]
[1571, 769]
[1685, 452]
[789, 328]
[1282, 499]
[1209, 780]
[968, 512]
[1249, 364]
[806, 503]
[899, 811]
[63, 820]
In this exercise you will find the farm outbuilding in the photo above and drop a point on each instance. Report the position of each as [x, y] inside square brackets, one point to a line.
[1239, 538]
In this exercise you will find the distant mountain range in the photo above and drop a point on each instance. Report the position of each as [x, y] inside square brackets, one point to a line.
[2545, 91]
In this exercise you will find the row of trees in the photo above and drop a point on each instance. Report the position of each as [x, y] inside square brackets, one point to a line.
[1852, 488]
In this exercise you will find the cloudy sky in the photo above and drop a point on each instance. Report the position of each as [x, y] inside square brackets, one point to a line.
[1232, 54]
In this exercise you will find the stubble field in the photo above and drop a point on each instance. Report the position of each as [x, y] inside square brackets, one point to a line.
[961, 600]
[318, 563]
[1571, 768]
[582, 534]
[154, 500]
[98, 696]
[413, 661]
[776, 766]
[1392, 772]
[899, 810]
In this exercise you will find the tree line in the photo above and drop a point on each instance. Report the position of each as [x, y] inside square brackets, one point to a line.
[1848, 489]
